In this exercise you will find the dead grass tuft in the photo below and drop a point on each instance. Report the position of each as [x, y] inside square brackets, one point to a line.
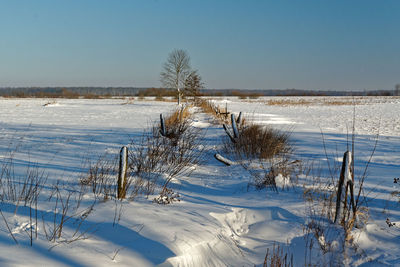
[264, 152]
[177, 124]
[260, 142]
[277, 258]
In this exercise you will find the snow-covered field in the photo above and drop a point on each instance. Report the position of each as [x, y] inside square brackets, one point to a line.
[219, 221]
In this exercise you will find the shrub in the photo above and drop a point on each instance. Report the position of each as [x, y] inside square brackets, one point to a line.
[67, 211]
[177, 124]
[259, 142]
[264, 152]
[20, 188]
[101, 177]
[169, 156]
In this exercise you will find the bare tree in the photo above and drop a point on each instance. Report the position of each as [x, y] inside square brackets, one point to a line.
[176, 70]
[193, 84]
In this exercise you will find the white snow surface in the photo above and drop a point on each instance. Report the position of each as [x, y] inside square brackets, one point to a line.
[220, 220]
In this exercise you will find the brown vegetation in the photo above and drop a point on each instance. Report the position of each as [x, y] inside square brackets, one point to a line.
[219, 114]
[166, 156]
[328, 101]
[261, 142]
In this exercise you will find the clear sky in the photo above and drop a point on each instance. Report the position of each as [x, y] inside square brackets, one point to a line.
[320, 44]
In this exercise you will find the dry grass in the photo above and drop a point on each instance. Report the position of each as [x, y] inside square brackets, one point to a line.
[154, 161]
[160, 158]
[100, 177]
[260, 142]
[156, 98]
[277, 258]
[324, 101]
[332, 225]
[288, 102]
[206, 106]
[178, 116]
[20, 188]
[264, 152]
[219, 114]
[177, 124]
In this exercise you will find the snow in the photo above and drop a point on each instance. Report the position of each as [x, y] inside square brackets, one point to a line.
[219, 220]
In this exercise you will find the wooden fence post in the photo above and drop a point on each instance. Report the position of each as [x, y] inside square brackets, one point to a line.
[229, 133]
[123, 169]
[239, 119]
[234, 127]
[345, 183]
[162, 126]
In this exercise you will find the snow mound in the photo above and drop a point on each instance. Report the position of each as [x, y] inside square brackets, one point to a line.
[200, 124]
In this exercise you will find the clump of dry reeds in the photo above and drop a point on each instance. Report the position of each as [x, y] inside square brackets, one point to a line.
[277, 258]
[177, 124]
[263, 151]
[261, 142]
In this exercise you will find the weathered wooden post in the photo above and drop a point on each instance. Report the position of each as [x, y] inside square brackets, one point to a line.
[229, 133]
[226, 161]
[123, 169]
[163, 131]
[239, 119]
[234, 135]
[345, 183]
[234, 127]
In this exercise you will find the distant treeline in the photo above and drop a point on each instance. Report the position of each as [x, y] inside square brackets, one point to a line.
[104, 92]
[83, 92]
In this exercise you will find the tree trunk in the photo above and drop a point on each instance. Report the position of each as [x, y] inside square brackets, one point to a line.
[179, 96]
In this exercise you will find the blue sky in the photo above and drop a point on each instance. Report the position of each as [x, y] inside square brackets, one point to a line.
[321, 44]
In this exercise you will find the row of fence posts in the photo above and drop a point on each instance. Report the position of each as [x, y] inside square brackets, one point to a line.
[346, 179]
[345, 185]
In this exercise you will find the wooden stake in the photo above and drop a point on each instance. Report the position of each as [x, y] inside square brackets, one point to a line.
[123, 168]
[163, 131]
[234, 127]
